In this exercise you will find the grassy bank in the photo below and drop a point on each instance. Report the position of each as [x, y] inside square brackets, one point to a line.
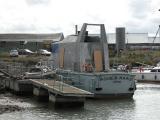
[26, 60]
[130, 57]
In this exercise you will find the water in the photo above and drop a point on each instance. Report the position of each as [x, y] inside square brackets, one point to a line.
[145, 105]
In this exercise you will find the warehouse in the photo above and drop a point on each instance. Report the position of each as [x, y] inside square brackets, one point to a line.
[135, 41]
[37, 41]
[29, 41]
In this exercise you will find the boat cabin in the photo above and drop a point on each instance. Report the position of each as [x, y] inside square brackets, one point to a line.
[82, 52]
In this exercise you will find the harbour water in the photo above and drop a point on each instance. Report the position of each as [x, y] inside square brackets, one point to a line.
[145, 105]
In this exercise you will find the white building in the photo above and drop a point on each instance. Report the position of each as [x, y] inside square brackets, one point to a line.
[136, 40]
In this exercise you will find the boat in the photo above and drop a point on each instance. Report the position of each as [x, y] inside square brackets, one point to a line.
[39, 73]
[148, 74]
[82, 60]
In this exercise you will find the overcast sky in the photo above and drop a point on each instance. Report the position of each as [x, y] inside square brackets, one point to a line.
[50, 16]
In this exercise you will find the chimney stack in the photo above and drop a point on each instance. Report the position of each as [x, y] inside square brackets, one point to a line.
[76, 29]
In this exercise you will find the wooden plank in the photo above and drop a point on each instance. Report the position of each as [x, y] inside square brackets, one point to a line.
[61, 58]
[98, 60]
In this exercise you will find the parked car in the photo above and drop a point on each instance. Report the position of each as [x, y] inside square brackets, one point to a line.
[25, 52]
[43, 52]
[13, 53]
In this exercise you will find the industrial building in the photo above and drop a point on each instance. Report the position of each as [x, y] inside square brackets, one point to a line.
[133, 41]
[120, 40]
[29, 41]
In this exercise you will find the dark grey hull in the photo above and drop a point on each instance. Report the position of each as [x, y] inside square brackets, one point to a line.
[114, 96]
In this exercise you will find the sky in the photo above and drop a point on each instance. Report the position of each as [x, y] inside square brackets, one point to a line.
[52, 16]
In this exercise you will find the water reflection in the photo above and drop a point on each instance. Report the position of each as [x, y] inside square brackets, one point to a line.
[100, 109]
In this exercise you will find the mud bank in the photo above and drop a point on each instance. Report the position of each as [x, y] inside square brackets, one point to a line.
[9, 108]
[9, 105]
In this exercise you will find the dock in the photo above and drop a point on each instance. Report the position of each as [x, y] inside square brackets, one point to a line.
[60, 88]
[57, 92]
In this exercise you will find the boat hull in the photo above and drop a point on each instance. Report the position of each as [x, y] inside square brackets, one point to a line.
[103, 85]
[39, 75]
[148, 77]
[114, 96]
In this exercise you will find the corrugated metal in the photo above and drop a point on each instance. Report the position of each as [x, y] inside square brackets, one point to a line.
[31, 37]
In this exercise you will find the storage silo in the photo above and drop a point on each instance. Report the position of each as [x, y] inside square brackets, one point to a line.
[120, 39]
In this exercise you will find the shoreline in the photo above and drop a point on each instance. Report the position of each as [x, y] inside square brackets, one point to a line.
[8, 105]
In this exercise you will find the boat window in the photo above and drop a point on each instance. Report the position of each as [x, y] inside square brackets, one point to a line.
[115, 77]
[120, 77]
[154, 70]
[158, 70]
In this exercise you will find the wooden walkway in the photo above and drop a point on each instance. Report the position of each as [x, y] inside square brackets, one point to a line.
[60, 88]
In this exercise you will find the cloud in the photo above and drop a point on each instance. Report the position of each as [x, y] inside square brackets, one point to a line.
[61, 15]
[143, 17]
[139, 8]
[37, 2]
